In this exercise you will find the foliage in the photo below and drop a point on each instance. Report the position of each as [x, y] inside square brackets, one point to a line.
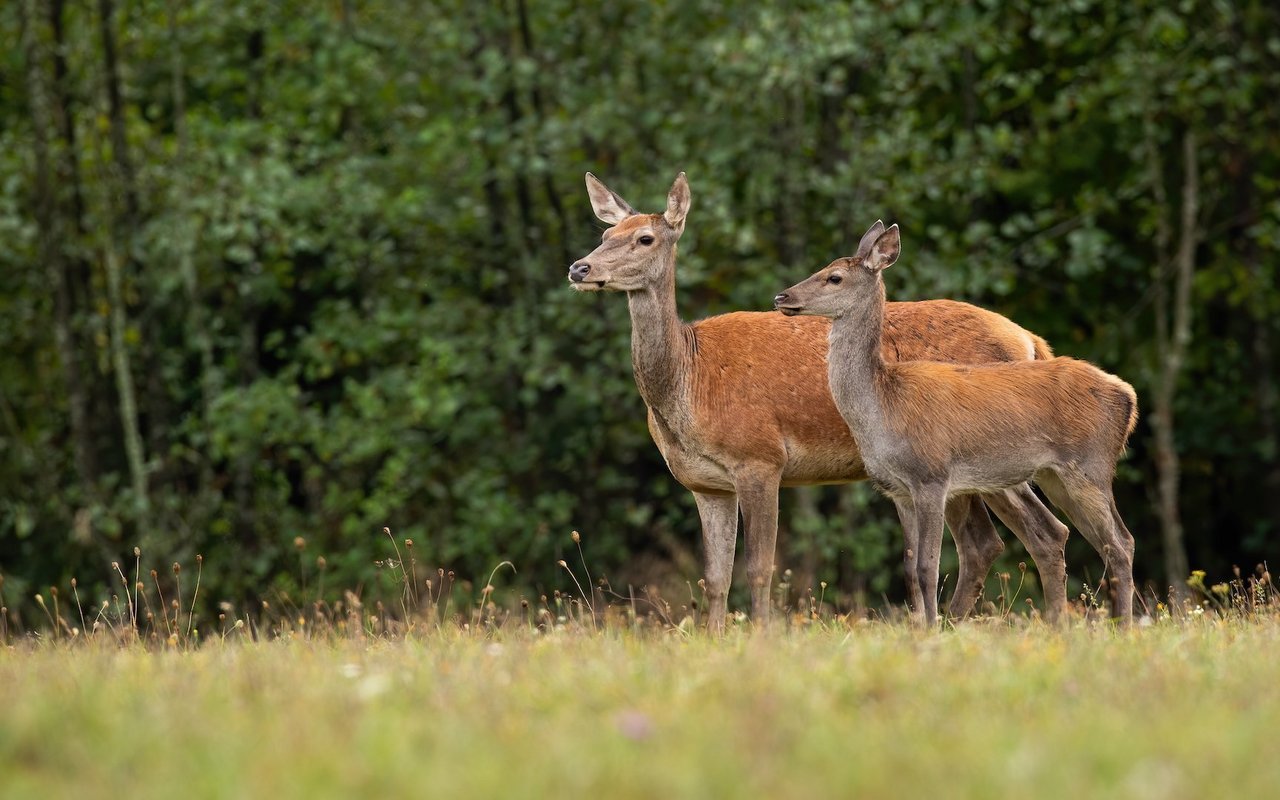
[343, 279]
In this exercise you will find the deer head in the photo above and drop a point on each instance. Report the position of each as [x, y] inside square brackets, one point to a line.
[637, 249]
[836, 288]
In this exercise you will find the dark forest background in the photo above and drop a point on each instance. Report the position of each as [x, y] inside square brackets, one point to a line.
[274, 275]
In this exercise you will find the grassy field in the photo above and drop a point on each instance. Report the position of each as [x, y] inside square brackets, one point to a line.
[1180, 708]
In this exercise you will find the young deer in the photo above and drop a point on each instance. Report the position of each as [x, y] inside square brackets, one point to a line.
[929, 431]
[738, 405]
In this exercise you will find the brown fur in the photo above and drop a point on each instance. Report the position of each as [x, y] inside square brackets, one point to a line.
[931, 431]
[739, 404]
[743, 411]
[941, 408]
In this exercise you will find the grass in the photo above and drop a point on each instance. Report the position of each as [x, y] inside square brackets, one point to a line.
[436, 693]
[866, 709]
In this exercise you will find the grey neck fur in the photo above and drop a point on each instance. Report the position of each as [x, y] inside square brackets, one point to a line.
[660, 348]
[855, 363]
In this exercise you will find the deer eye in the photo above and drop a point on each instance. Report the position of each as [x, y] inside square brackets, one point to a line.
[645, 240]
[834, 279]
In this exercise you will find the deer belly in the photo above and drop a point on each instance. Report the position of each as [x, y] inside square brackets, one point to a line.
[806, 467]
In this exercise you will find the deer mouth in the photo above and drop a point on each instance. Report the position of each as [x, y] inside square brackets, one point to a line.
[587, 286]
[790, 311]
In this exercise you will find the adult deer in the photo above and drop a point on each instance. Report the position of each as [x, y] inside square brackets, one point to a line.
[928, 431]
[738, 405]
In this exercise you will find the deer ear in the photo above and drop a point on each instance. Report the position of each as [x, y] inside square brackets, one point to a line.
[609, 207]
[677, 202]
[868, 239]
[884, 250]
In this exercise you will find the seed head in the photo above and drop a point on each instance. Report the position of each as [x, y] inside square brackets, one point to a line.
[408, 543]
[199, 558]
[320, 562]
[177, 568]
[299, 543]
[576, 537]
[1022, 566]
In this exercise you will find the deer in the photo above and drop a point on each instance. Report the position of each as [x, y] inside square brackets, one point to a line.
[929, 432]
[738, 405]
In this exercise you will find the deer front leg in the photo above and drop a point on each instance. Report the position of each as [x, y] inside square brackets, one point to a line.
[758, 499]
[910, 556]
[928, 502]
[1045, 538]
[719, 514]
[977, 544]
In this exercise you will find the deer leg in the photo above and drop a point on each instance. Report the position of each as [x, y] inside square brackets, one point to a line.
[758, 500]
[719, 514]
[929, 500]
[1090, 505]
[977, 544]
[1044, 537]
[910, 556]
[1123, 566]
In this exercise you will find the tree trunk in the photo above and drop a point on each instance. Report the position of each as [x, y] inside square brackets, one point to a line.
[118, 241]
[124, 378]
[190, 225]
[535, 97]
[115, 112]
[1173, 334]
[51, 252]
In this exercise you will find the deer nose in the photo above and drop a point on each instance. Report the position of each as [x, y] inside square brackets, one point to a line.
[578, 272]
[779, 299]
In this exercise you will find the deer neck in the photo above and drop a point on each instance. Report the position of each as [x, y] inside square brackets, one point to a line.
[661, 353]
[856, 367]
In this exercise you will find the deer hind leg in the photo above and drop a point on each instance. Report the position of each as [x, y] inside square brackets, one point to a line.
[719, 514]
[758, 498]
[1123, 568]
[910, 557]
[1089, 503]
[977, 544]
[1045, 538]
[928, 502]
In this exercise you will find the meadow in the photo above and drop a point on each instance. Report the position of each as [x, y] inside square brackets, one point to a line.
[533, 706]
